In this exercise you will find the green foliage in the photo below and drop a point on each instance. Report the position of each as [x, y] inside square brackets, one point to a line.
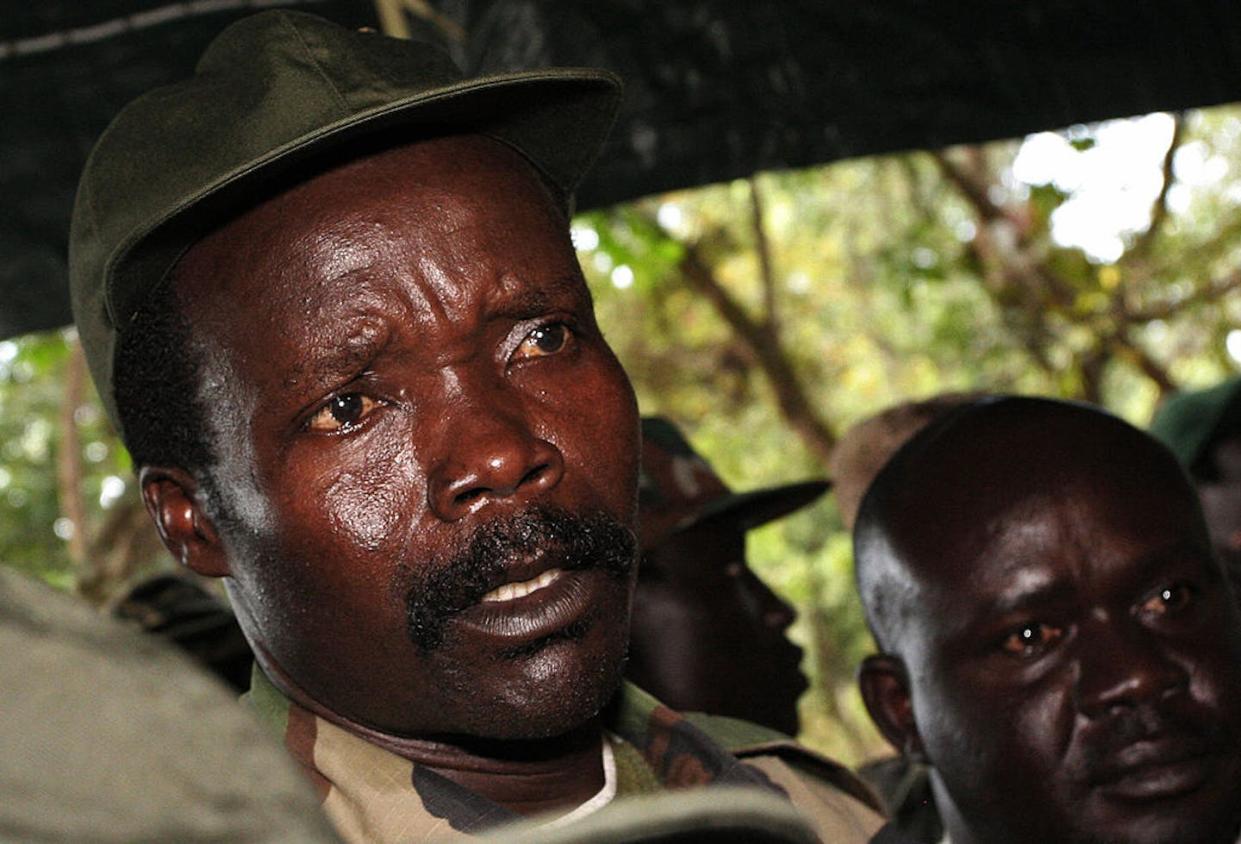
[30, 387]
[33, 529]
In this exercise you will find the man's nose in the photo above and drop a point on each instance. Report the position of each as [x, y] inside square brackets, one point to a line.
[490, 456]
[779, 615]
[765, 604]
[1126, 667]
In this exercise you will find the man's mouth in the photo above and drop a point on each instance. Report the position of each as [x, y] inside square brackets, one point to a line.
[512, 591]
[1158, 769]
[521, 577]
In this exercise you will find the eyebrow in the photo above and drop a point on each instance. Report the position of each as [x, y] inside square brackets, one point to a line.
[365, 341]
[530, 301]
[1181, 550]
[1141, 570]
[348, 357]
[1048, 592]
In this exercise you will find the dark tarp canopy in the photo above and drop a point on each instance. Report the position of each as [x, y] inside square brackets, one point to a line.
[716, 89]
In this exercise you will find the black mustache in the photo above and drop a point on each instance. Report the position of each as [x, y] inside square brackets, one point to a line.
[447, 587]
[1184, 736]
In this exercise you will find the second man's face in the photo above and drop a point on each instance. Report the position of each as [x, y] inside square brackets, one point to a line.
[1075, 673]
[427, 448]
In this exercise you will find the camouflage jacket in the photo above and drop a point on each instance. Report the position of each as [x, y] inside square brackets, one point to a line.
[373, 795]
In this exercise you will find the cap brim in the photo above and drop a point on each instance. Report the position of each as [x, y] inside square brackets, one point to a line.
[748, 510]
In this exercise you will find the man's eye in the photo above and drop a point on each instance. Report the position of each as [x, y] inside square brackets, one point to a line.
[1168, 600]
[1031, 639]
[544, 340]
[341, 412]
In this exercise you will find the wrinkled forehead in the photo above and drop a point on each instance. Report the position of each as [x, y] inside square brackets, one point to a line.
[295, 250]
[341, 197]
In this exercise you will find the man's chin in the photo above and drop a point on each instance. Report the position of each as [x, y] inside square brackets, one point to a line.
[1210, 815]
[557, 689]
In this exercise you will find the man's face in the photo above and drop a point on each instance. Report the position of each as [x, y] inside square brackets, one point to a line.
[708, 635]
[1073, 665]
[413, 407]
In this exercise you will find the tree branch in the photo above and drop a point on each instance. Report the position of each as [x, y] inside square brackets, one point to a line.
[1159, 209]
[974, 189]
[1130, 350]
[762, 248]
[392, 21]
[1207, 293]
[765, 348]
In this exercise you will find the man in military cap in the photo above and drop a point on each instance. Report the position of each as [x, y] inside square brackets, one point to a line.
[1203, 429]
[707, 634]
[327, 292]
[1059, 644]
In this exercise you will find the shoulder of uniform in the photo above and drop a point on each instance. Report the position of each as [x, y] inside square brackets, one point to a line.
[734, 734]
[747, 740]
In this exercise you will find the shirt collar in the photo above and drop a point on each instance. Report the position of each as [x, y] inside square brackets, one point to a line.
[373, 794]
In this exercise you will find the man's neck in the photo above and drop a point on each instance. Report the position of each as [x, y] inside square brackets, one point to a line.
[527, 776]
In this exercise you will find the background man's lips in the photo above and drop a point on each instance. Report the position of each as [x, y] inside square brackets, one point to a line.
[1166, 766]
[540, 613]
[1159, 780]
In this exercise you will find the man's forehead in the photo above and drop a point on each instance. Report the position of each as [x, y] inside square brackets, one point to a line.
[1008, 528]
[340, 223]
[984, 501]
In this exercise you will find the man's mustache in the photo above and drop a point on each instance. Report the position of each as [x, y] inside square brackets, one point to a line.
[1186, 734]
[444, 588]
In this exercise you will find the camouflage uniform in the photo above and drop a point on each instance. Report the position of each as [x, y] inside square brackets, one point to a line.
[373, 795]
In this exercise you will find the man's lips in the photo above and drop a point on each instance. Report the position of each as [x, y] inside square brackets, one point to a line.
[1156, 769]
[507, 560]
[521, 612]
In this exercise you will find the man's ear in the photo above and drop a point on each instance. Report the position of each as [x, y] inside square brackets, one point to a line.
[171, 497]
[885, 691]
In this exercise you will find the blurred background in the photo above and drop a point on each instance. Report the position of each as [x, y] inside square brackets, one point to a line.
[767, 303]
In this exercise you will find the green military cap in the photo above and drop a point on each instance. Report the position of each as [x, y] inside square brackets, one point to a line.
[1189, 423]
[270, 92]
[677, 488]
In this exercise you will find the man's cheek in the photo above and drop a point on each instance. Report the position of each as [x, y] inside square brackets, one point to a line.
[979, 729]
[369, 509]
[370, 506]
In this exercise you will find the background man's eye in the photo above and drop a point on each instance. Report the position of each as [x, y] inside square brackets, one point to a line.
[544, 340]
[1168, 600]
[343, 411]
[1031, 639]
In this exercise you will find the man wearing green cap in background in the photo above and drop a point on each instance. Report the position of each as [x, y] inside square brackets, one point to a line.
[327, 293]
[1203, 430]
[707, 634]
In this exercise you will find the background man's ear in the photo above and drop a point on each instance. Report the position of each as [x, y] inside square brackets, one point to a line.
[171, 497]
[885, 691]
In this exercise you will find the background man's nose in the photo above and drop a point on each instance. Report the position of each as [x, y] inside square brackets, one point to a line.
[491, 458]
[762, 603]
[779, 615]
[1124, 668]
